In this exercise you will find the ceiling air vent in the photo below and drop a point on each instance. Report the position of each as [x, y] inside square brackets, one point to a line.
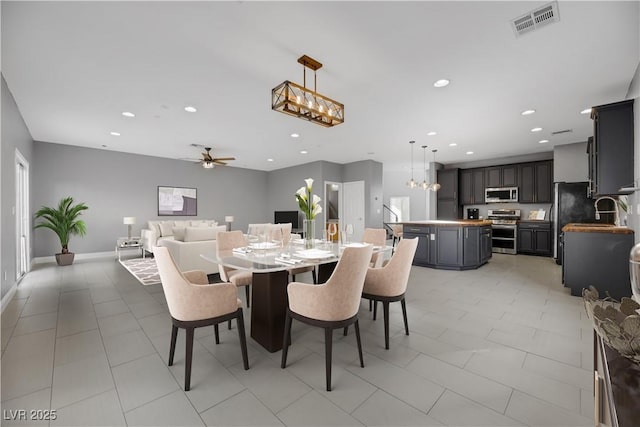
[559, 132]
[535, 19]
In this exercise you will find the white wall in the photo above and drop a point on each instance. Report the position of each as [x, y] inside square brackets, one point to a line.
[571, 163]
[634, 199]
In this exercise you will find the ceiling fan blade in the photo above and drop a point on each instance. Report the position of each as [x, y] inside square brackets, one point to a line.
[223, 158]
[218, 162]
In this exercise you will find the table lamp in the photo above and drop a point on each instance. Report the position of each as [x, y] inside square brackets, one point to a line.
[129, 220]
[228, 219]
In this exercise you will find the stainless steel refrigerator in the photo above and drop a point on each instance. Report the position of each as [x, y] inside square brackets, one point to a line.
[570, 204]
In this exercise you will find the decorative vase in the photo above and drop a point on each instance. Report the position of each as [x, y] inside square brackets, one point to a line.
[309, 229]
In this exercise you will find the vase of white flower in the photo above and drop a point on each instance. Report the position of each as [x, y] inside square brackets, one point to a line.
[310, 206]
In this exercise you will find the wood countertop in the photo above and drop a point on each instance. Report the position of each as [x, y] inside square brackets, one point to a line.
[596, 228]
[459, 222]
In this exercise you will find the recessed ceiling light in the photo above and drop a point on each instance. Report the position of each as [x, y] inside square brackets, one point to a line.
[441, 83]
[469, 152]
[527, 112]
[585, 111]
[269, 160]
[432, 133]
[294, 135]
[536, 129]
[114, 133]
[190, 109]
[128, 114]
[543, 141]
[453, 144]
[303, 151]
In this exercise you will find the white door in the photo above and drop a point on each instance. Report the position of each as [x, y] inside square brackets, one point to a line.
[353, 208]
[22, 216]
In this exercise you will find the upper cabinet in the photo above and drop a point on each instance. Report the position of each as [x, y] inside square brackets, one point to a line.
[448, 197]
[611, 149]
[501, 176]
[536, 182]
[472, 186]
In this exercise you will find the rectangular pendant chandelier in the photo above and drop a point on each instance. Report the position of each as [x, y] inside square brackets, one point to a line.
[295, 100]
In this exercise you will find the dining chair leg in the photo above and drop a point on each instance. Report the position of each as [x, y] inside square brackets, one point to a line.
[375, 309]
[385, 309]
[246, 290]
[328, 342]
[370, 305]
[172, 347]
[346, 331]
[217, 333]
[315, 278]
[357, 328]
[404, 315]
[189, 355]
[229, 324]
[243, 339]
[285, 340]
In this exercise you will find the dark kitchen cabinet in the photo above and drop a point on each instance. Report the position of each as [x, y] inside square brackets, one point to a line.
[423, 252]
[472, 186]
[501, 176]
[534, 238]
[536, 182]
[450, 247]
[471, 246]
[485, 243]
[448, 205]
[600, 259]
[611, 150]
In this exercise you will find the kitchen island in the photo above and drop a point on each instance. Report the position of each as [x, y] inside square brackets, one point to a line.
[598, 255]
[450, 245]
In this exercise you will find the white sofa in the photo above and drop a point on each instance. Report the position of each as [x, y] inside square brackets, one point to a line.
[186, 241]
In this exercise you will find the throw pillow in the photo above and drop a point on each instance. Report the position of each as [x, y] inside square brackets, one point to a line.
[166, 228]
[178, 233]
[181, 223]
[196, 234]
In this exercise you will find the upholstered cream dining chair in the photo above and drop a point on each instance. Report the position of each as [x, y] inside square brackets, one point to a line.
[294, 271]
[226, 241]
[377, 237]
[331, 305]
[194, 303]
[389, 283]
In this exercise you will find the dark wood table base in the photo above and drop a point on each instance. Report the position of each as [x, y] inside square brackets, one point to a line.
[269, 303]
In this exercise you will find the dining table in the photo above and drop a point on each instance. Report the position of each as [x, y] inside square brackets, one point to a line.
[269, 264]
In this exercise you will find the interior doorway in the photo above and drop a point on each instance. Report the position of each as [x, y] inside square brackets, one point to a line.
[332, 207]
[353, 201]
[400, 209]
[23, 231]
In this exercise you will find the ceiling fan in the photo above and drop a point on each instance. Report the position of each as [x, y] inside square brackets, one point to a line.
[209, 162]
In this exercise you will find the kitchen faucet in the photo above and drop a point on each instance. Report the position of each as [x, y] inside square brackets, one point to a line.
[616, 221]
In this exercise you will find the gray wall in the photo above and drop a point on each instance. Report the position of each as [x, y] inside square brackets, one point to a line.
[283, 183]
[115, 185]
[570, 163]
[15, 135]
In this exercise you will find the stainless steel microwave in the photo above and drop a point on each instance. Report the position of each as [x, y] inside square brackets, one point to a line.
[501, 195]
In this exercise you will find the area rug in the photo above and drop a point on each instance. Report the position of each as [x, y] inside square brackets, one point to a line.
[146, 271]
[143, 269]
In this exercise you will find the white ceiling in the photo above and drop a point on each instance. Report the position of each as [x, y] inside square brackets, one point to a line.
[73, 67]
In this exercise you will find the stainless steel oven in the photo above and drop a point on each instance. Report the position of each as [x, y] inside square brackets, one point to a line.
[504, 228]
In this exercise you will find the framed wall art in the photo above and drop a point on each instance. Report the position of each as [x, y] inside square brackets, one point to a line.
[177, 201]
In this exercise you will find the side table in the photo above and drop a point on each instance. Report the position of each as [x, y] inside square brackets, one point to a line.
[124, 244]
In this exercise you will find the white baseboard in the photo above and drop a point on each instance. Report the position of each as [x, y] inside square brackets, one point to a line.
[90, 255]
[8, 296]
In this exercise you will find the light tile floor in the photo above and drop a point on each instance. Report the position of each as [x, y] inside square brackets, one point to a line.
[504, 345]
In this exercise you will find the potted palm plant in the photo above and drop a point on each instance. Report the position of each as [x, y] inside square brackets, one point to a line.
[63, 221]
